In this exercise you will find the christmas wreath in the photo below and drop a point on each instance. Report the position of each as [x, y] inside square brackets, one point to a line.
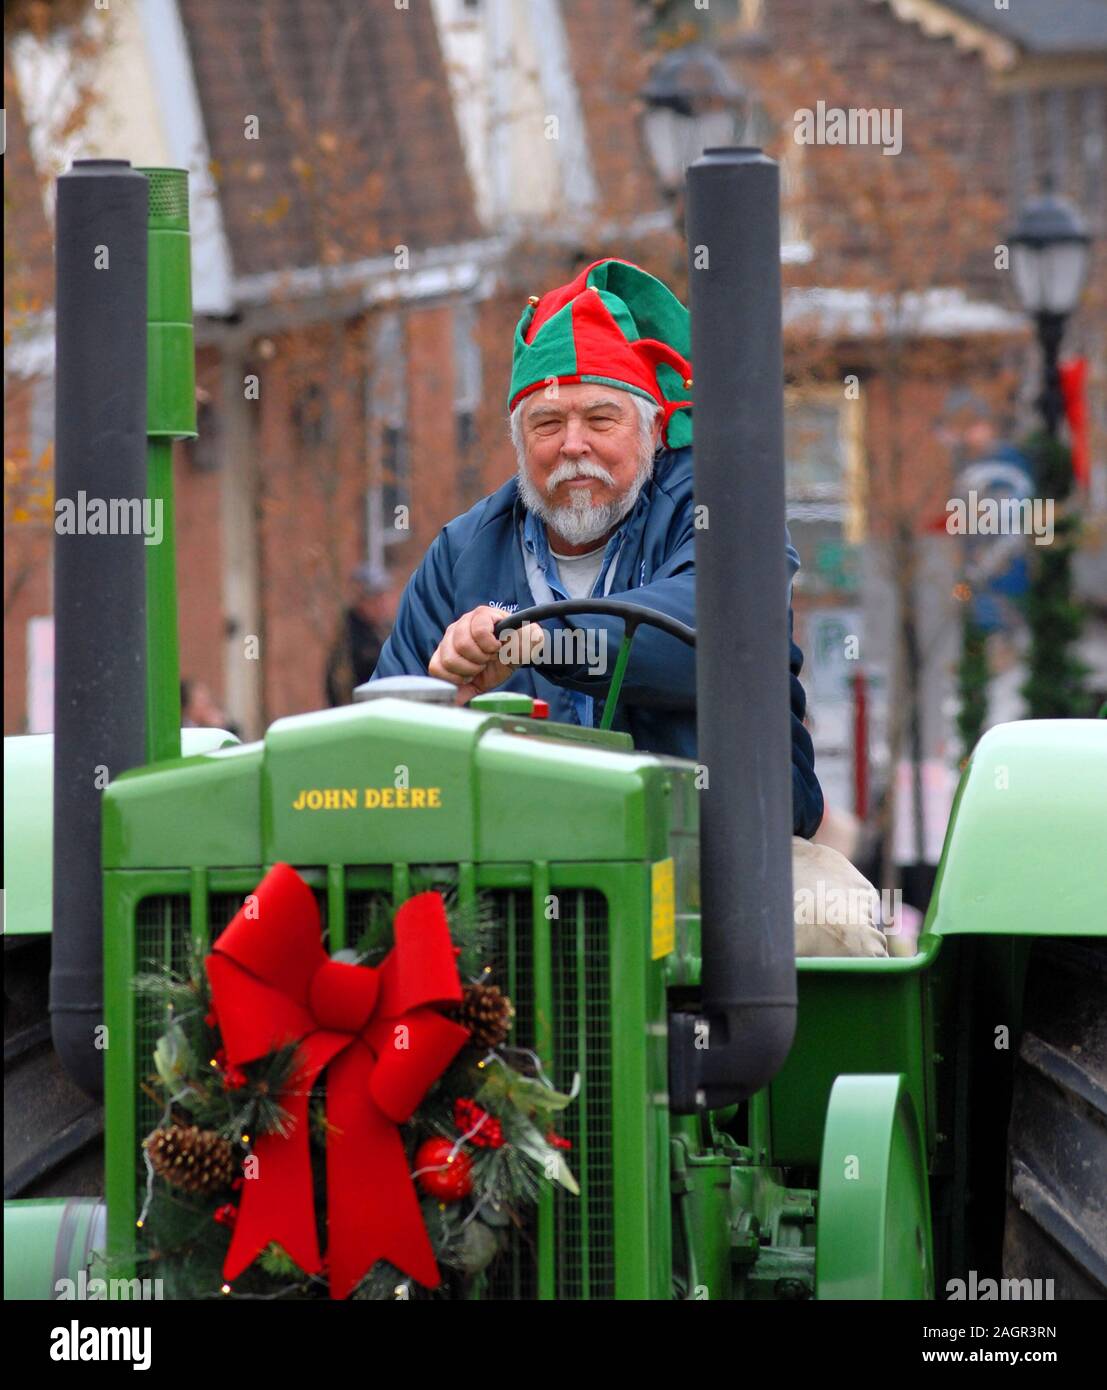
[311, 1104]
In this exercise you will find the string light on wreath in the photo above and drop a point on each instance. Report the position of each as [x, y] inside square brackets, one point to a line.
[443, 1171]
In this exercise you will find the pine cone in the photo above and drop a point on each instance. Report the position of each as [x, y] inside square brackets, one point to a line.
[487, 1013]
[195, 1159]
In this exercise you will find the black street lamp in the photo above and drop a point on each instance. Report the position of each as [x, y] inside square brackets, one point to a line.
[1049, 258]
[692, 103]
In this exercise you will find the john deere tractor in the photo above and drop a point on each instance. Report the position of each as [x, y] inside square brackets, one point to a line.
[748, 1126]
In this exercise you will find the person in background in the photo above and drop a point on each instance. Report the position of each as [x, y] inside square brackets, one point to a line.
[365, 626]
[199, 710]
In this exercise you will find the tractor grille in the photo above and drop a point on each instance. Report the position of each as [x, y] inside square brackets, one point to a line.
[515, 1275]
[162, 940]
[582, 1043]
[577, 1012]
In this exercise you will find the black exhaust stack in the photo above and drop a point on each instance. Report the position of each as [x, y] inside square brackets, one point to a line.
[99, 579]
[739, 1040]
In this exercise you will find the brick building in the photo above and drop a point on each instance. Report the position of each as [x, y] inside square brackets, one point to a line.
[376, 190]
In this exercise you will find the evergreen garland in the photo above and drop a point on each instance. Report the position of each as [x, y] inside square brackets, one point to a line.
[1054, 688]
[973, 677]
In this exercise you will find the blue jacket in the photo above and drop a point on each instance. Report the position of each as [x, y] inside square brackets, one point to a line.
[496, 553]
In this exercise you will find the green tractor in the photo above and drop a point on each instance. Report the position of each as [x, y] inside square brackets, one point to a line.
[748, 1126]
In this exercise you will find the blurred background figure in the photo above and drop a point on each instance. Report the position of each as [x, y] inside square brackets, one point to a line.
[199, 709]
[365, 626]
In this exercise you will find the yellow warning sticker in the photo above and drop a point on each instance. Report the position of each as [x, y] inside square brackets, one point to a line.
[663, 923]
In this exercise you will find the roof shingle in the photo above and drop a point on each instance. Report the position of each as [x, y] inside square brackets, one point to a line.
[356, 150]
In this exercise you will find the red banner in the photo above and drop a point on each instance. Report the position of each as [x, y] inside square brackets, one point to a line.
[1074, 380]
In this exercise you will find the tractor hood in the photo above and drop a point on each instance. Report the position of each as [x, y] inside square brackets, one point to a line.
[393, 781]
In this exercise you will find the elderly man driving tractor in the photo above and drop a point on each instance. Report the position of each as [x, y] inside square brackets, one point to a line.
[602, 505]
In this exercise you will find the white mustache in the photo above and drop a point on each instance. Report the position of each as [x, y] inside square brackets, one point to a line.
[566, 472]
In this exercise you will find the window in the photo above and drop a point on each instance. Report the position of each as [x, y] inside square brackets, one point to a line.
[389, 499]
[395, 477]
[467, 393]
[311, 415]
[466, 432]
[761, 130]
[824, 489]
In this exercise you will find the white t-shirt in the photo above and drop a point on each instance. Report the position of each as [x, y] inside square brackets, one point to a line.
[580, 572]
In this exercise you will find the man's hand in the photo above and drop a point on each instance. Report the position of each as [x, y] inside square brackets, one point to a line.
[471, 658]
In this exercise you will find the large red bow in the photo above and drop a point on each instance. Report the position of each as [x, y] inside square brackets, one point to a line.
[273, 983]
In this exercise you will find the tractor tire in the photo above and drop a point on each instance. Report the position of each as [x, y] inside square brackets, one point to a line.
[1056, 1226]
[53, 1132]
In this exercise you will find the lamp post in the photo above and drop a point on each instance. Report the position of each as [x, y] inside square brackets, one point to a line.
[1049, 258]
[692, 103]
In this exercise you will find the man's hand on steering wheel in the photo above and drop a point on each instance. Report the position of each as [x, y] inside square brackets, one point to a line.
[471, 657]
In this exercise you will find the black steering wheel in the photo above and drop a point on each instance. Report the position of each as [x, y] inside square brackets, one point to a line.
[632, 615]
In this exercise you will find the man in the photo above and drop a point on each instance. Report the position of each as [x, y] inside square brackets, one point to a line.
[601, 504]
[364, 627]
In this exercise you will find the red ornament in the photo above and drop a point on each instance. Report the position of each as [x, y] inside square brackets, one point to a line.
[226, 1215]
[234, 1078]
[467, 1115]
[448, 1176]
[557, 1141]
[211, 1020]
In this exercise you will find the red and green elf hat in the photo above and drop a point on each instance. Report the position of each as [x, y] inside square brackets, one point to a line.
[613, 324]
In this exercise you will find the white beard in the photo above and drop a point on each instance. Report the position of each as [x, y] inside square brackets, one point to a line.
[580, 521]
